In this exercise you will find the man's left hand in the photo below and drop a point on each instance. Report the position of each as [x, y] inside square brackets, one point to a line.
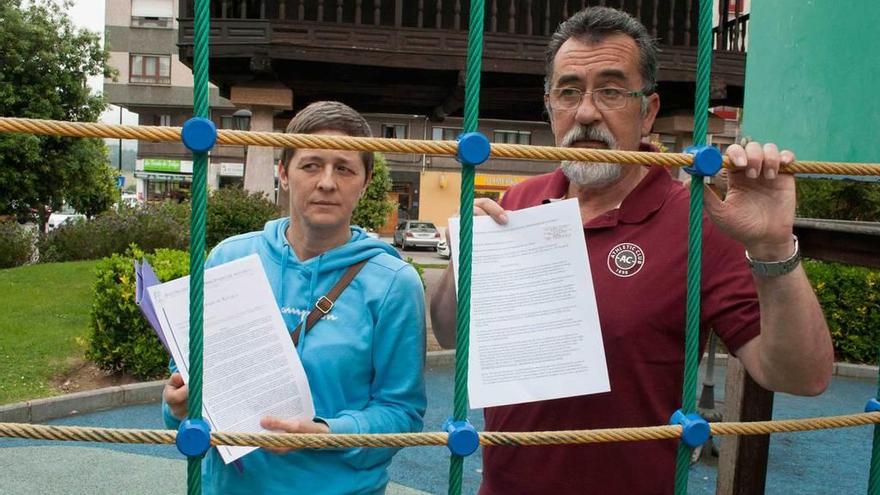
[291, 426]
[759, 208]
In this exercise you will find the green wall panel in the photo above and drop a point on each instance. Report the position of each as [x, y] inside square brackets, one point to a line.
[813, 78]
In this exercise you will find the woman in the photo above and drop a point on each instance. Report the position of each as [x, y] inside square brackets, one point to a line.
[364, 358]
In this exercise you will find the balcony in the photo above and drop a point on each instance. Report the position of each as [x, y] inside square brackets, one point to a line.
[331, 48]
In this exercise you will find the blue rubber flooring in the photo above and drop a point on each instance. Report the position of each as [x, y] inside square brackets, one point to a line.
[828, 461]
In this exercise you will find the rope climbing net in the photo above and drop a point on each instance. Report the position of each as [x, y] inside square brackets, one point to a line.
[200, 135]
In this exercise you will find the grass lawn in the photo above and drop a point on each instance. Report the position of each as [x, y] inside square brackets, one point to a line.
[43, 325]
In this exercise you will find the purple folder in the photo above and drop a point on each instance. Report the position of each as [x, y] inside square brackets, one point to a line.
[146, 277]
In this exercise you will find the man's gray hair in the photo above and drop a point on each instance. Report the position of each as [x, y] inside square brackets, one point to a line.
[329, 116]
[593, 24]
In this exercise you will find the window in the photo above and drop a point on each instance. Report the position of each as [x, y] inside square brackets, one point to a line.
[512, 137]
[226, 122]
[152, 13]
[150, 69]
[445, 133]
[163, 119]
[394, 131]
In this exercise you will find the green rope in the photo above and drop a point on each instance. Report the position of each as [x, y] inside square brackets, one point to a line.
[471, 122]
[695, 243]
[874, 473]
[201, 108]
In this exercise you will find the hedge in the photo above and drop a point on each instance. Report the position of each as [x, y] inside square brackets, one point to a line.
[120, 339]
[850, 298]
[16, 244]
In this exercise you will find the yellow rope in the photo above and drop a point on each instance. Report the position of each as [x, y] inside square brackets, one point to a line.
[316, 441]
[275, 139]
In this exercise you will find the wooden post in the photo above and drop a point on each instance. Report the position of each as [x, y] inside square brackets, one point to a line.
[687, 23]
[511, 17]
[438, 15]
[529, 28]
[742, 464]
[654, 20]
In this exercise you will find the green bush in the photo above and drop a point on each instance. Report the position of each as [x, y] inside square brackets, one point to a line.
[120, 339]
[150, 227]
[419, 269]
[374, 207]
[851, 301]
[233, 211]
[839, 200]
[160, 225]
[16, 245]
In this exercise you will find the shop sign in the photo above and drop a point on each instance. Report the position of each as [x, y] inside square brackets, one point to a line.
[497, 182]
[161, 165]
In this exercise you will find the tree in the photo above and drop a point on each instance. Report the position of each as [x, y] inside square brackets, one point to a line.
[94, 190]
[44, 64]
[374, 207]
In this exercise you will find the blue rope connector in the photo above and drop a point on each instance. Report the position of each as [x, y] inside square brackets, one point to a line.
[873, 405]
[707, 161]
[694, 429]
[199, 134]
[473, 148]
[193, 437]
[463, 438]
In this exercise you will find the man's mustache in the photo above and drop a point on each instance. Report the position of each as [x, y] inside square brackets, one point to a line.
[589, 133]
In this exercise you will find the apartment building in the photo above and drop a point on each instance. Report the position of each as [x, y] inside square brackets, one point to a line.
[141, 36]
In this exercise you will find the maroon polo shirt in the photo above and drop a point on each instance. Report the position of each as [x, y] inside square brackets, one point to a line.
[638, 258]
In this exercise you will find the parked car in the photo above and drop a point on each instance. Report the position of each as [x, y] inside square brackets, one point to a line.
[443, 249]
[415, 233]
[58, 219]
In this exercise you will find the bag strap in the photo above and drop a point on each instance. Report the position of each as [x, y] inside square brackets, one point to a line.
[325, 303]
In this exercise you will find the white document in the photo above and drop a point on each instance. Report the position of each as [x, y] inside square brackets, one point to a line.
[534, 323]
[250, 367]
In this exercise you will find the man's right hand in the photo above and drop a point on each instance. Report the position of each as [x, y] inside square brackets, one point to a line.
[443, 303]
[485, 206]
[176, 395]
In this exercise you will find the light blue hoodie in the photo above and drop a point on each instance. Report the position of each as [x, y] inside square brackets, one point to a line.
[364, 361]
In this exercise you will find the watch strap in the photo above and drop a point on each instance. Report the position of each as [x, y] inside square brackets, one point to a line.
[776, 268]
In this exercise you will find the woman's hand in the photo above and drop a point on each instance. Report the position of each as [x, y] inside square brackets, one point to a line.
[176, 395]
[291, 426]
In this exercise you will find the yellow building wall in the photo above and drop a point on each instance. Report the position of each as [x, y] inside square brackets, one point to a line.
[440, 192]
[438, 196]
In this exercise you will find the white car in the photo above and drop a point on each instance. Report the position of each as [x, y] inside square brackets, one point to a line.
[58, 219]
[443, 249]
[416, 233]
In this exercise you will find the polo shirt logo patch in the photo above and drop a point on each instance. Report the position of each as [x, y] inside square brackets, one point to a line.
[626, 259]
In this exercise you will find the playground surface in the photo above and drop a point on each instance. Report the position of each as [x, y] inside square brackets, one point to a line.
[817, 462]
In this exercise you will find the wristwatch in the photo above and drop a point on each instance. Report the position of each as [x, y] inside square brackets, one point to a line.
[776, 268]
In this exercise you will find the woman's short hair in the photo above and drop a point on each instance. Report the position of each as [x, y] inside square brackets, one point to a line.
[329, 116]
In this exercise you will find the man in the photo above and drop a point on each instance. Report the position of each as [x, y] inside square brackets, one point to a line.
[601, 69]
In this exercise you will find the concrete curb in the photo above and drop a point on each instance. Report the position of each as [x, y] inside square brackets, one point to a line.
[41, 410]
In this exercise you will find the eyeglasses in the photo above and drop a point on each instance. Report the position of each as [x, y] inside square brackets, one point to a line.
[609, 98]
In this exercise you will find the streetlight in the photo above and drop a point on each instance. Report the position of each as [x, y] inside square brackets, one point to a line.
[241, 121]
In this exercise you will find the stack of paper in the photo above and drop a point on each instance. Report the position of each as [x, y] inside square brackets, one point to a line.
[251, 368]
